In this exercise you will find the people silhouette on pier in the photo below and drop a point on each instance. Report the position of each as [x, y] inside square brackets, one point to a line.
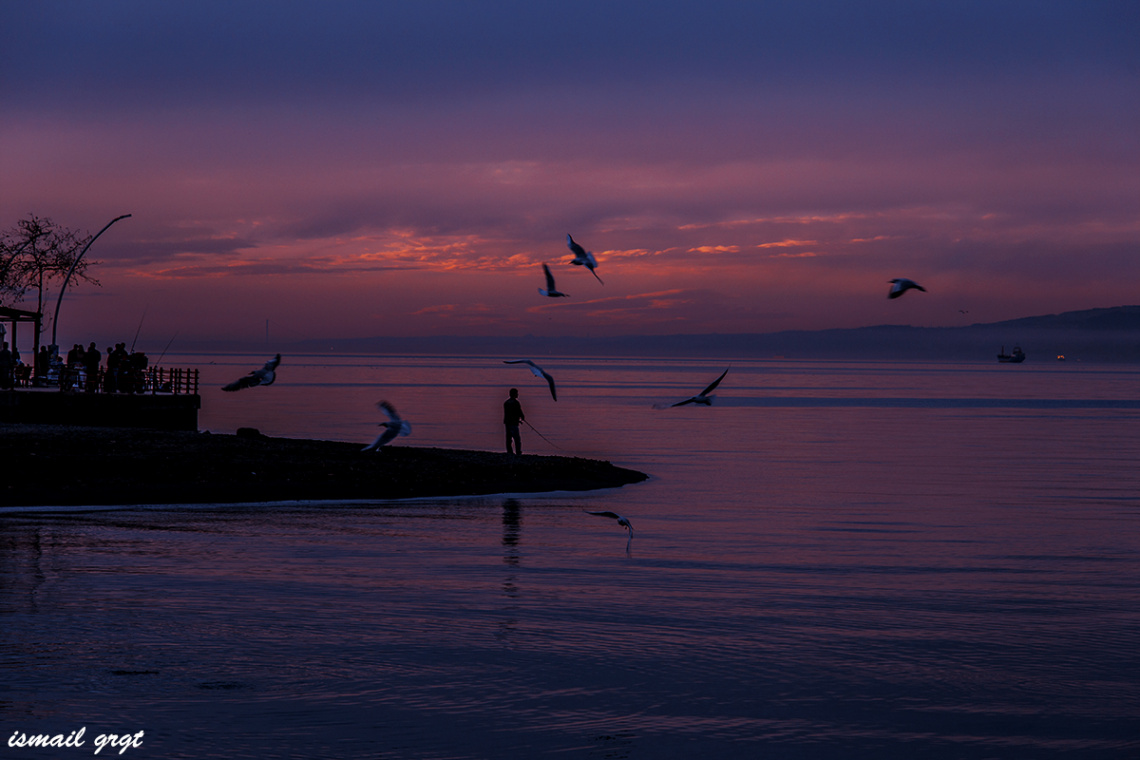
[7, 364]
[42, 365]
[91, 361]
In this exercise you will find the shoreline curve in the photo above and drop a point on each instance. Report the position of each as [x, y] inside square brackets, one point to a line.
[62, 465]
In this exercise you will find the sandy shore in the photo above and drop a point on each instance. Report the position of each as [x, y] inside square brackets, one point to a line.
[49, 465]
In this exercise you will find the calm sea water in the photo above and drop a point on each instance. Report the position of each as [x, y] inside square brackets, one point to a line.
[835, 560]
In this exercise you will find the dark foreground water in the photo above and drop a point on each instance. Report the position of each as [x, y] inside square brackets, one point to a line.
[833, 561]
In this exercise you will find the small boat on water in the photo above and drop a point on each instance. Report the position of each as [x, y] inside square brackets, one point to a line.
[1016, 357]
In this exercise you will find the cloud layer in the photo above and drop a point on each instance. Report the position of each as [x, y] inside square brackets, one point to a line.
[364, 169]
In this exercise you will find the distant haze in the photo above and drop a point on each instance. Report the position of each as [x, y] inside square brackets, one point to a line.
[349, 170]
[1096, 335]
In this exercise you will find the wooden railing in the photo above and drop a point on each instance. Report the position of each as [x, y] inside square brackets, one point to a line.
[176, 380]
[173, 380]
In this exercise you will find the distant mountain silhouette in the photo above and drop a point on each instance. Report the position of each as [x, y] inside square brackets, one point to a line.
[1116, 318]
[1102, 335]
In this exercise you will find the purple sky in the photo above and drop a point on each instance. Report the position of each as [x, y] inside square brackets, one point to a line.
[359, 169]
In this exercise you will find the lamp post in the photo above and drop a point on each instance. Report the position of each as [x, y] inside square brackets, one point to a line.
[63, 287]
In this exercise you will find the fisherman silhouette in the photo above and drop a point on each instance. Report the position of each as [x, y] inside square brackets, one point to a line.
[512, 415]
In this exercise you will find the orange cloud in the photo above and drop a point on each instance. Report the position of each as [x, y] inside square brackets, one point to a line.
[715, 249]
[788, 244]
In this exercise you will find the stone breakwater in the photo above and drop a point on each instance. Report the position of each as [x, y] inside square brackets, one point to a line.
[54, 465]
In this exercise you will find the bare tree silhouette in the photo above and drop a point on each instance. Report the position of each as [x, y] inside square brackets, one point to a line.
[37, 253]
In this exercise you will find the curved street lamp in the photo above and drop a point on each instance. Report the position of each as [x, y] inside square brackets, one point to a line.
[74, 264]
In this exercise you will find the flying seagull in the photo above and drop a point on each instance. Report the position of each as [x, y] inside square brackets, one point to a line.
[901, 285]
[392, 428]
[550, 291]
[537, 371]
[622, 521]
[264, 376]
[582, 257]
[703, 397]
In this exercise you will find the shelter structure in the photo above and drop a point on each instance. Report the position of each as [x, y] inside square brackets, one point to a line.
[14, 317]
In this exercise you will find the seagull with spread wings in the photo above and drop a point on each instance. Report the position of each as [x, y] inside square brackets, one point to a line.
[550, 291]
[900, 285]
[582, 257]
[264, 376]
[537, 371]
[622, 521]
[392, 428]
[703, 397]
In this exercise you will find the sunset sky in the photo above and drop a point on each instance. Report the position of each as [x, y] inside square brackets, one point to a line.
[368, 168]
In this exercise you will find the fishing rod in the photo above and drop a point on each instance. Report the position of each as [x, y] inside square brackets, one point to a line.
[136, 340]
[165, 349]
[543, 437]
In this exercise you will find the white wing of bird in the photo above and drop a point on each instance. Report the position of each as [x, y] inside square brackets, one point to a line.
[900, 285]
[622, 521]
[392, 428]
[550, 291]
[703, 397]
[537, 371]
[264, 376]
[582, 257]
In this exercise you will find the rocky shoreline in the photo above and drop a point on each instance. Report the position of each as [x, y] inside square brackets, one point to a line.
[57, 465]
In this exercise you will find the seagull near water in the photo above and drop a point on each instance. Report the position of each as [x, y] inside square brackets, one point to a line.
[582, 257]
[264, 376]
[537, 371]
[392, 428]
[703, 397]
[622, 521]
[550, 291]
[901, 285]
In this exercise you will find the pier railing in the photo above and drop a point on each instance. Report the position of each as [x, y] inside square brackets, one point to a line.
[154, 380]
[175, 380]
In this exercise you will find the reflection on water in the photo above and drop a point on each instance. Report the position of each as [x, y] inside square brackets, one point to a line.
[512, 527]
[809, 580]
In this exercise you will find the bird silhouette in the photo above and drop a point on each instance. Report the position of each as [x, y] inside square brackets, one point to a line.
[392, 428]
[622, 521]
[537, 371]
[264, 376]
[550, 291]
[901, 285]
[703, 397]
[582, 257]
